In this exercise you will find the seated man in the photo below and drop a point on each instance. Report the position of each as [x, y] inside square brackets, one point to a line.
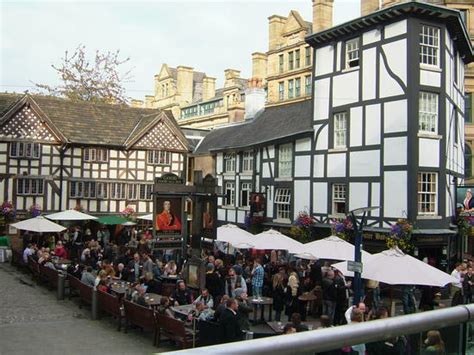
[88, 277]
[182, 295]
[164, 307]
[201, 312]
[153, 286]
[139, 296]
[205, 298]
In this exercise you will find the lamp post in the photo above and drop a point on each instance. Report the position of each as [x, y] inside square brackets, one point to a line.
[357, 265]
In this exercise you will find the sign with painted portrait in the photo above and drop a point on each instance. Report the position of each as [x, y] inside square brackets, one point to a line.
[168, 216]
[465, 199]
[257, 205]
[209, 217]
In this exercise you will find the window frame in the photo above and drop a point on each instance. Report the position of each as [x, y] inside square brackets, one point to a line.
[428, 118]
[281, 90]
[159, 157]
[348, 51]
[229, 162]
[282, 203]
[20, 149]
[245, 186]
[95, 155]
[425, 55]
[430, 197]
[145, 192]
[115, 190]
[291, 60]
[337, 191]
[297, 87]
[281, 63]
[247, 161]
[339, 129]
[285, 160]
[308, 85]
[297, 58]
[308, 56]
[29, 186]
[229, 192]
[291, 89]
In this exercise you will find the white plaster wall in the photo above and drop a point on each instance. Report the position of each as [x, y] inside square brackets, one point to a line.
[358, 195]
[324, 60]
[338, 56]
[396, 29]
[388, 86]
[219, 163]
[345, 88]
[322, 138]
[395, 116]
[320, 197]
[271, 152]
[337, 165]
[428, 152]
[321, 99]
[365, 163]
[231, 215]
[395, 194]
[303, 145]
[240, 217]
[318, 167]
[221, 214]
[430, 78]
[375, 198]
[270, 195]
[372, 124]
[302, 166]
[266, 170]
[302, 196]
[369, 68]
[396, 58]
[355, 136]
[371, 37]
[395, 151]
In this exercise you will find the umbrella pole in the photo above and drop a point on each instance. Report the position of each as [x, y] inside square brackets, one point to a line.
[392, 306]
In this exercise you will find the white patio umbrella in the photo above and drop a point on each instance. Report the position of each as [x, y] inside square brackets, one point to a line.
[147, 217]
[38, 224]
[306, 256]
[332, 248]
[393, 267]
[70, 215]
[235, 236]
[129, 223]
[274, 240]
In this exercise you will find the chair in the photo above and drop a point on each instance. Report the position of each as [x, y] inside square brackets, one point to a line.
[110, 304]
[174, 329]
[142, 317]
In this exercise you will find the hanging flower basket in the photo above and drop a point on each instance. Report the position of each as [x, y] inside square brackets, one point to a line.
[7, 213]
[342, 228]
[301, 228]
[400, 236]
[128, 213]
[34, 210]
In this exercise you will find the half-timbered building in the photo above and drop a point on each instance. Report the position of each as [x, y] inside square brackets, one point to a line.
[61, 154]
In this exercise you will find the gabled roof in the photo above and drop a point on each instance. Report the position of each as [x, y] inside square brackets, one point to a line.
[450, 17]
[276, 122]
[88, 123]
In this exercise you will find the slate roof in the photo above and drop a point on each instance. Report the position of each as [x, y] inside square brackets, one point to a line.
[90, 123]
[273, 123]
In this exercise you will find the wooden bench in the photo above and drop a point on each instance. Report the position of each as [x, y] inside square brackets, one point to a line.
[174, 329]
[84, 291]
[142, 317]
[33, 266]
[111, 305]
[50, 276]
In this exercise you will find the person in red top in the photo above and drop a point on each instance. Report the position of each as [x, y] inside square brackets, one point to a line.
[166, 220]
[60, 251]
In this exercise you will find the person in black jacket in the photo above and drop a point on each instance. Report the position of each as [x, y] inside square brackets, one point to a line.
[214, 283]
[329, 295]
[279, 294]
[229, 322]
[468, 285]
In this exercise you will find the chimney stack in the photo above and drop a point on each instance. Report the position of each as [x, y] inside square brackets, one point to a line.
[208, 88]
[254, 98]
[276, 25]
[184, 83]
[368, 6]
[230, 75]
[259, 65]
[322, 14]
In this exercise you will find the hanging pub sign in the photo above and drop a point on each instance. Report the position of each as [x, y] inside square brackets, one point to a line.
[209, 216]
[257, 206]
[168, 220]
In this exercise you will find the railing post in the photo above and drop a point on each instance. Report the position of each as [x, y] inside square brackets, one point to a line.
[95, 305]
[61, 283]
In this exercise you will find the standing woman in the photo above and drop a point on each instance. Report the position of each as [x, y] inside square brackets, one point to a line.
[279, 291]
[292, 294]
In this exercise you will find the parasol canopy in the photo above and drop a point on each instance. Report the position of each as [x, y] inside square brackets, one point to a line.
[147, 217]
[70, 215]
[111, 220]
[332, 248]
[235, 236]
[274, 240]
[39, 225]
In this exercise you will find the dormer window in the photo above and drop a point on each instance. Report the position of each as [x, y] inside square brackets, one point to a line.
[159, 157]
[25, 150]
[96, 155]
[229, 162]
[352, 53]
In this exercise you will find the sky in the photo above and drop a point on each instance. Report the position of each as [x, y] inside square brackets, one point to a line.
[209, 36]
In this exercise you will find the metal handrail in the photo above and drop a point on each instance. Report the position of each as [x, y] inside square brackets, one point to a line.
[338, 337]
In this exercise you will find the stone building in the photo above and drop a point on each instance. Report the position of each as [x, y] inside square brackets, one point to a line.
[287, 65]
[466, 8]
[193, 99]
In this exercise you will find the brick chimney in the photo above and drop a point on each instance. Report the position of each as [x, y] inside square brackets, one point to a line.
[208, 88]
[254, 98]
[184, 83]
[322, 14]
[230, 75]
[368, 6]
[276, 25]
[259, 65]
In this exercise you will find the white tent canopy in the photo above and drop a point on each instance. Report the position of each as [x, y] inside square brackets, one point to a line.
[38, 224]
[70, 215]
[332, 248]
[235, 236]
[274, 240]
[393, 267]
[147, 217]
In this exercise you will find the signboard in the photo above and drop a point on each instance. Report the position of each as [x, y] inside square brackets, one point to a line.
[257, 205]
[209, 211]
[354, 266]
[167, 244]
[168, 216]
[169, 179]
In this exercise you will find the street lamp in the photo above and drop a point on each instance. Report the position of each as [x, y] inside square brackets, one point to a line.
[357, 265]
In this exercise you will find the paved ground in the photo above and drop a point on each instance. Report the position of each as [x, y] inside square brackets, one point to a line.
[32, 321]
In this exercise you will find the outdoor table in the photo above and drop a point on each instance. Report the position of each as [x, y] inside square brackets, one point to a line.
[308, 298]
[119, 287]
[262, 301]
[277, 327]
[183, 311]
[152, 299]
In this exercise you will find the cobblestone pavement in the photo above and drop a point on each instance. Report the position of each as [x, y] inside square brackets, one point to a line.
[32, 321]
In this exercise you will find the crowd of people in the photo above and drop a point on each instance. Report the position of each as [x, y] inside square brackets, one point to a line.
[231, 282]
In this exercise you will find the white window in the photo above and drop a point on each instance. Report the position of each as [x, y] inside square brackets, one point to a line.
[352, 53]
[229, 162]
[429, 45]
[283, 204]
[340, 130]
[281, 90]
[229, 193]
[285, 160]
[117, 191]
[427, 193]
[145, 191]
[245, 191]
[247, 161]
[99, 155]
[132, 191]
[338, 199]
[88, 189]
[29, 187]
[428, 112]
[25, 150]
[102, 190]
[159, 157]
